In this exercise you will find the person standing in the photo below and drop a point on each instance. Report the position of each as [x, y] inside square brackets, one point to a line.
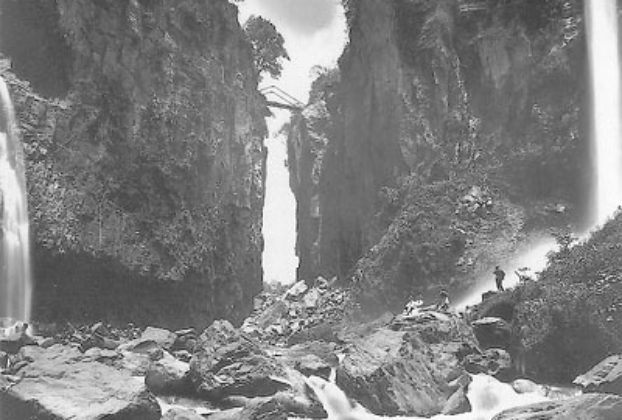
[499, 276]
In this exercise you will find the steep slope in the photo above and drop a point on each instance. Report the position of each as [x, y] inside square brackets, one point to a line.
[447, 134]
[146, 175]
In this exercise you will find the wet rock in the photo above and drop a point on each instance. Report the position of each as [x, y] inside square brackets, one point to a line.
[397, 373]
[58, 383]
[494, 362]
[458, 403]
[522, 386]
[228, 363]
[605, 377]
[492, 332]
[182, 414]
[588, 407]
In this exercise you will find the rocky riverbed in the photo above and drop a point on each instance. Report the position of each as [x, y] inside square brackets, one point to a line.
[415, 365]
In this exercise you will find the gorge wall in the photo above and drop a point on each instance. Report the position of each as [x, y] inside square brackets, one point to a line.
[453, 130]
[143, 130]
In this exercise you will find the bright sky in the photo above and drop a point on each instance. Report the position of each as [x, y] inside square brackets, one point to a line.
[315, 34]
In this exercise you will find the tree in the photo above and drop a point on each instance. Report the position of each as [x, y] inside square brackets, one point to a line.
[268, 49]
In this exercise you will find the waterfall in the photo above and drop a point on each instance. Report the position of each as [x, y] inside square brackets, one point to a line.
[602, 36]
[15, 276]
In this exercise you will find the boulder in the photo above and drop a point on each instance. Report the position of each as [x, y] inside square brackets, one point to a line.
[57, 383]
[296, 290]
[228, 363]
[311, 298]
[606, 376]
[458, 403]
[310, 358]
[494, 362]
[492, 332]
[150, 341]
[168, 376]
[182, 414]
[397, 373]
[584, 407]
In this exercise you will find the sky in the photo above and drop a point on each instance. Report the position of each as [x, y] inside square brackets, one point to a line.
[315, 34]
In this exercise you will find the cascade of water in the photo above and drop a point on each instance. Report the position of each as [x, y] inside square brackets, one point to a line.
[603, 47]
[486, 394]
[15, 278]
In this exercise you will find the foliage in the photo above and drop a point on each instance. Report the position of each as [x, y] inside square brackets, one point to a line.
[268, 45]
[576, 313]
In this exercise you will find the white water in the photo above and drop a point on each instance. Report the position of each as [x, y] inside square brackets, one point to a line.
[604, 58]
[487, 396]
[15, 277]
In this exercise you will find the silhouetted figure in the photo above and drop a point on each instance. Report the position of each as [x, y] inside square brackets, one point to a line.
[499, 276]
[443, 302]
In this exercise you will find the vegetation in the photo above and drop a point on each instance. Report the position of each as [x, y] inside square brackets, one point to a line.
[268, 46]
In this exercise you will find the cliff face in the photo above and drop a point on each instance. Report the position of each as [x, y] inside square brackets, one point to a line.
[146, 170]
[453, 125]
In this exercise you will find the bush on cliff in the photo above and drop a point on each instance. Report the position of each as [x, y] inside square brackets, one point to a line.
[574, 312]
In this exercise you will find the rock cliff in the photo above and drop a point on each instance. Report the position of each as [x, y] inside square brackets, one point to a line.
[444, 132]
[144, 134]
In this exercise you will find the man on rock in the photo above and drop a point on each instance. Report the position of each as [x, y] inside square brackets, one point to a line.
[499, 276]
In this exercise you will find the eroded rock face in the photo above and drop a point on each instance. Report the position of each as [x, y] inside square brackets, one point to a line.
[60, 383]
[430, 147]
[588, 407]
[148, 170]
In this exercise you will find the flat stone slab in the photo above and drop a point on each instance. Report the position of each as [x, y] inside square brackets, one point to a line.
[59, 384]
[584, 407]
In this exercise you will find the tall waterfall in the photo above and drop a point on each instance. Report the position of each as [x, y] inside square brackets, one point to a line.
[604, 59]
[15, 276]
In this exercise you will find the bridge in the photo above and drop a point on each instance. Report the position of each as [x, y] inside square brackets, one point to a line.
[278, 98]
[469, 6]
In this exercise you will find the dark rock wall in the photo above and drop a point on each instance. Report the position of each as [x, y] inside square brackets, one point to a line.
[437, 97]
[144, 134]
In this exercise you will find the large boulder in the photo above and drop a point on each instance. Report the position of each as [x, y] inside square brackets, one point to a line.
[584, 407]
[606, 376]
[58, 383]
[229, 363]
[398, 373]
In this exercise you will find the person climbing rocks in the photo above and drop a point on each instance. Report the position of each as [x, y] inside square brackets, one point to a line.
[499, 276]
[443, 302]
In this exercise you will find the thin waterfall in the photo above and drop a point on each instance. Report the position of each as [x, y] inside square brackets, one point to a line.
[15, 275]
[604, 60]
